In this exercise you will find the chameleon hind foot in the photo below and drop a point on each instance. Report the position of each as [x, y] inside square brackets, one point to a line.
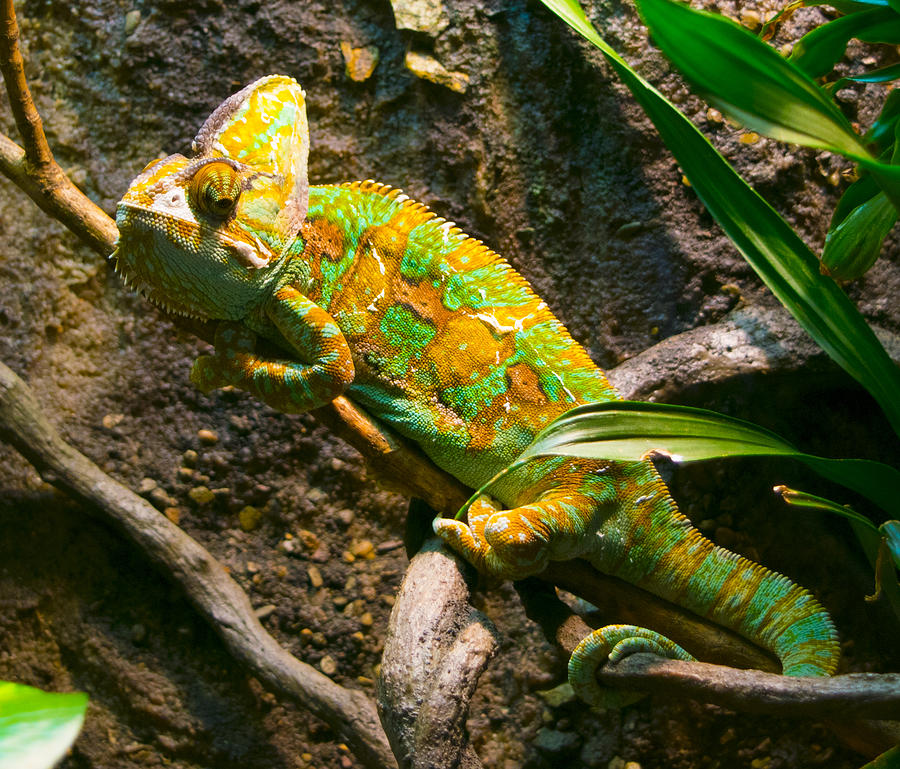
[506, 544]
[613, 642]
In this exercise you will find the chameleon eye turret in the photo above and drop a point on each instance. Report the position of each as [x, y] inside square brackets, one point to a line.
[215, 189]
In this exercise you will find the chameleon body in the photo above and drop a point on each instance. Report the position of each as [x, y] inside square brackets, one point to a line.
[440, 338]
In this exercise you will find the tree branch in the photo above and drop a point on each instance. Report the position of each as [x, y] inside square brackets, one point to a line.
[218, 598]
[854, 695]
[436, 649]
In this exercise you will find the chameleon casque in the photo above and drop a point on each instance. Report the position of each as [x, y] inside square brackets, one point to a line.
[440, 338]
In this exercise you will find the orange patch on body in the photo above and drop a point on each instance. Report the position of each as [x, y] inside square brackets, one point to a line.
[524, 384]
[323, 239]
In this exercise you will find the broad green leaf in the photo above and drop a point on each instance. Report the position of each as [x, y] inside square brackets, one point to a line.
[861, 191]
[854, 245]
[819, 50]
[883, 130]
[747, 79]
[631, 430]
[890, 759]
[770, 246]
[37, 727]
[883, 75]
[873, 541]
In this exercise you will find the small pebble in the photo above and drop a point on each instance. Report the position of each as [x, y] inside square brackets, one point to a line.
[208, 437]
[185, 474]
[327, 665]
[366, 619]
[386, 547]
[359, 63]
[147, 485]
[201, 495]
[751, 18]
[315, 576]
[250, 518]
[308, 539]
[264, 611]
[132, 19]
[173, 514]
[749, 137]
[112, 420]
[363, 549]
[138, 633]
[189, 458]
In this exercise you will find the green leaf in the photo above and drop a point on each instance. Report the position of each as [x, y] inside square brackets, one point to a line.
[883, 75]
[747, 79]
[770, 246]
[854, 245]
[818, 51]
[803, 499]
[891, 531]
[36, 727]
[883, 130]
[631, 430]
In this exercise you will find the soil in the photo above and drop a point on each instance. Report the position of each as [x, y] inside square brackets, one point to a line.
[547, 159]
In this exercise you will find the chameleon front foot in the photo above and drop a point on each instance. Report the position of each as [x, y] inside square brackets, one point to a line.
[234, 346]
[496, 542]
[613, 642]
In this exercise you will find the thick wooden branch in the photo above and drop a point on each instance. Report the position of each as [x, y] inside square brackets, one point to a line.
[436, 648]
[855, 695]
[218, 597]
[743, 690]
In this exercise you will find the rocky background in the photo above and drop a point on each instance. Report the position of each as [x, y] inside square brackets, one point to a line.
[499, 118]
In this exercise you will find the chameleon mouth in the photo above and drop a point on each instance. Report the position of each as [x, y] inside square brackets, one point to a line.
[134, 282]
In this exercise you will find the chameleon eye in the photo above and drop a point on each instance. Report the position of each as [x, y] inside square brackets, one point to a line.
[215, 189]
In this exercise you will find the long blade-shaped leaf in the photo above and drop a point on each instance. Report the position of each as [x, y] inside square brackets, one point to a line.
[36, 727]
[628, 430]
[854, 245]
[767, 242]
[818, 51]
[746, 77]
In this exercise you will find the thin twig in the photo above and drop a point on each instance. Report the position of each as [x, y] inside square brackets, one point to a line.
[28, 121]
[218, 598]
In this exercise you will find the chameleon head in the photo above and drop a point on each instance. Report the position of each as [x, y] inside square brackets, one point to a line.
[204, 236]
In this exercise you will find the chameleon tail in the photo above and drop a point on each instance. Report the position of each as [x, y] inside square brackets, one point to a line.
[660, 551]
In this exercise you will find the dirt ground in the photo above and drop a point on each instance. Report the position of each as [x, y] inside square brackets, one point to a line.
[545, 158]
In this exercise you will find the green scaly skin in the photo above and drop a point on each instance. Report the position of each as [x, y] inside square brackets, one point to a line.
[441, 339]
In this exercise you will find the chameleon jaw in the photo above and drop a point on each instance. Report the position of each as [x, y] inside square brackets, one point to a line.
[154, 296]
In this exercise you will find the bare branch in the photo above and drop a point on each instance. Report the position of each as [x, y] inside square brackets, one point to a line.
[218, 598]
[437, 646]
[621, 602]
[855, 695]
[28, 121]
[33, 168]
